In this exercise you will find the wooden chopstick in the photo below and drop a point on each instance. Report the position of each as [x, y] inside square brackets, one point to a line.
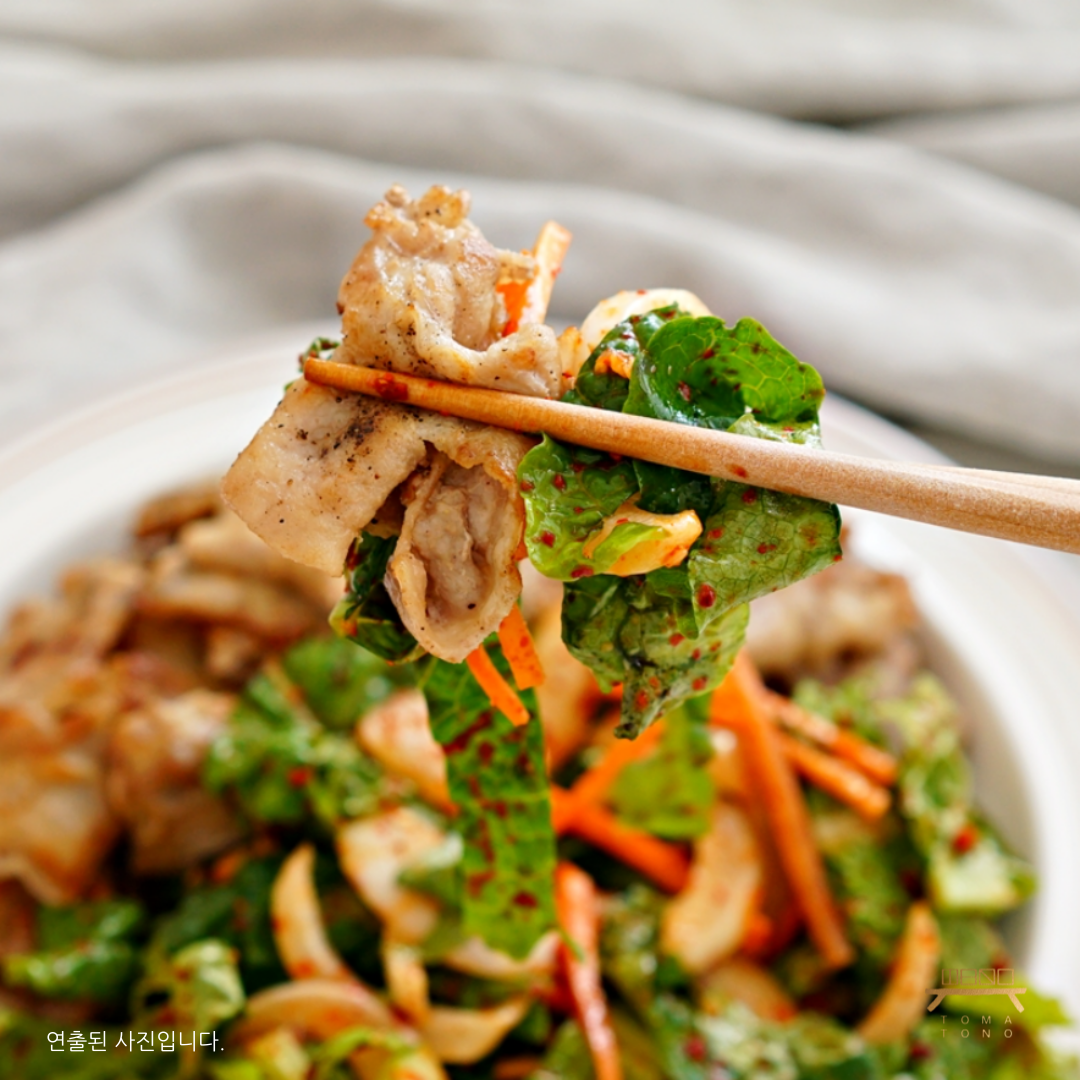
[1043, 511]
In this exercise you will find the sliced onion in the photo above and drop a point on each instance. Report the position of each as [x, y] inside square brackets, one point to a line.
[397, 735]
[373, 852]
[297, 921]
[464, 1036]
[902, 1003]
[707, 920]
[474, 957]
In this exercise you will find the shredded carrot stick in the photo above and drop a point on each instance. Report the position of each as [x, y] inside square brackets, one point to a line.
[662, 863]
[594, 784]
[758, 934]
[496, 687]
[878, 764]
[549, 251]
[839, 779]
[579, 916]
[739, 703]
[527, 301]
[519, 649]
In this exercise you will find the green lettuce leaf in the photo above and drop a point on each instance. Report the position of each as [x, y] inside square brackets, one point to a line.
[672, 633]
[197, 988]
[570, 491]
[282, 765]
[339, 680]
[756, 541]
[969, 868]
[641, 631]
[498, 780]
[365, 614]
[236, 912]
[86, 952]
[670, 793]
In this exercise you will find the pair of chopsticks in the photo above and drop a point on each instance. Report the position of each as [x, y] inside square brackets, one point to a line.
[1039, 510]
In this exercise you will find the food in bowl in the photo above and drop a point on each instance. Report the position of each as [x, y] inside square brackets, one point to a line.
[238, 846]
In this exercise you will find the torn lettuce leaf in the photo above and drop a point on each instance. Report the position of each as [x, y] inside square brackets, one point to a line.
[662, 633]
[499, 782]
[670, 793]
[85, 952]
[340, 682]
[282, 765]
[197, 988]
[573, 489]
[365, 614]
[641, 631]
[969, 868]
[236, 912]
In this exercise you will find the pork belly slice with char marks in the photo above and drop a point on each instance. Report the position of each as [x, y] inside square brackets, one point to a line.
[325, 466]
[421, 298]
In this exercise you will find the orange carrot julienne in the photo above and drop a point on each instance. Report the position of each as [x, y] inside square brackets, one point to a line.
[578, 909]
[527, 301]
[739, 703]
[661, 862]
[838, 778]
[496, 687]
[593, 785]
[520, 650]
[878, 764]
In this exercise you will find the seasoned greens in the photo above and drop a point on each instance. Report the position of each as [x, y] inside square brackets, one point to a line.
[499, 782]
[673, 632]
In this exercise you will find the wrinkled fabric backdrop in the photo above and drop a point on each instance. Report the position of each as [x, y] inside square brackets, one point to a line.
[892, 187]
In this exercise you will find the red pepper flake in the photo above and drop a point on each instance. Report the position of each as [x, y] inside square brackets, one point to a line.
[700, 683]
[476, 882]
[301, 775]
[764, 549]
[578, 466]
[389, 389]
[622, 521]
[547, 539]
[749, 496]
[456, 746]
[739, 471]
[965, 839]
[527, 485]
[706, 596]
[526, 900]
[685, 391]
[708, 354]
[694, 1048]
[696, 654]
[920, 1051]
[676, 639]
[579, 510]
[581, 571]
[559, 481]
[838, 556]
[715, 534]
[486, 752]
[641, 699]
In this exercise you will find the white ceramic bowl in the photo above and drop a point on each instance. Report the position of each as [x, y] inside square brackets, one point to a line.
[1003, 631]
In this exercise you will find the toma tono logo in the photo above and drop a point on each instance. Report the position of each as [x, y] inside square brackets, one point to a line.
[982, 982]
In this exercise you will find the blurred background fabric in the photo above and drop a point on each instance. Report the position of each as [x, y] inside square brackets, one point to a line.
[893, 188]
